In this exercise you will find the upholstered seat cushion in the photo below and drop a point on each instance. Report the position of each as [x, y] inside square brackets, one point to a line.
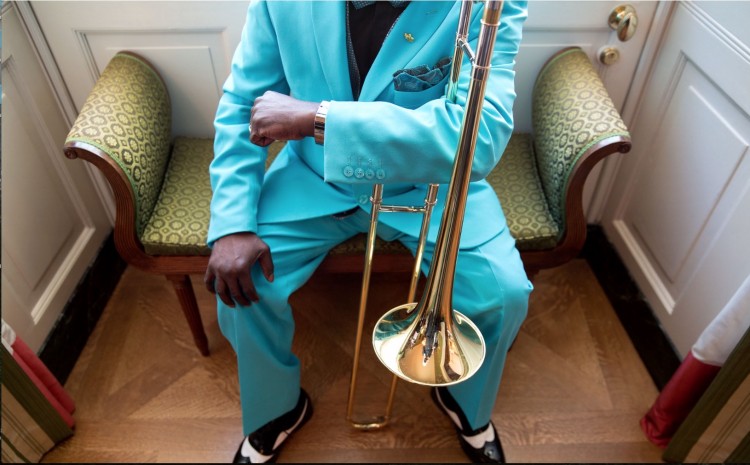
[179, 222]
[517, 185]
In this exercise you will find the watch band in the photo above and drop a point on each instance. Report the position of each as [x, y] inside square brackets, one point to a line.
[320, 122]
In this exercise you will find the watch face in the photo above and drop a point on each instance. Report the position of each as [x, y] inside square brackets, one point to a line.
[320, 122]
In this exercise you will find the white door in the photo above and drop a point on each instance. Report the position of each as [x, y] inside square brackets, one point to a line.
[679, 213]
[53, 221]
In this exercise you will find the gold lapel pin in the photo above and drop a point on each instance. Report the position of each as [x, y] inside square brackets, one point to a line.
[408, 37]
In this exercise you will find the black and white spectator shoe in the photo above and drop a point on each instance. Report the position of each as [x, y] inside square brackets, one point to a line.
[264, 444]
[481, 445]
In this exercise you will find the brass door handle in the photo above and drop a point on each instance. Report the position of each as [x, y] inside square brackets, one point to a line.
[624, 20]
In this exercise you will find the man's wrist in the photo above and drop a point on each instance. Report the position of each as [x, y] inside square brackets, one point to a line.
[319, 127]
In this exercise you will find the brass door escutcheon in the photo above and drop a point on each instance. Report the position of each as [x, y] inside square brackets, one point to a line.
[609, 55]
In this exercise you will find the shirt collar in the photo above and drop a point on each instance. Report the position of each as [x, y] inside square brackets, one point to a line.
[363, 3]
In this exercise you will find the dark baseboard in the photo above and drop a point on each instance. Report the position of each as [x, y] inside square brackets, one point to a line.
[653, 346]
[68, 338]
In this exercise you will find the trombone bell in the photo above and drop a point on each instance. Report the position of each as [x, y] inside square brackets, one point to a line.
[428, 350]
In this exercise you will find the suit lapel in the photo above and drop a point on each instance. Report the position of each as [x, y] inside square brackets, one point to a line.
[329, 27]
[420, 20]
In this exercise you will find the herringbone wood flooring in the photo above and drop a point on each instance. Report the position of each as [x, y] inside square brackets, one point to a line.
[573, 390]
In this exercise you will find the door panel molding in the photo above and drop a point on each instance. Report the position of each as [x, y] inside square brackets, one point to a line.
[68, 108]
[189, 60]
[677, 203]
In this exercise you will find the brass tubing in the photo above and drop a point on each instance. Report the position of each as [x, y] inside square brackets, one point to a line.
[429, 342]
[429, 202]
[377, 207]
[462, 32]
[379, 422]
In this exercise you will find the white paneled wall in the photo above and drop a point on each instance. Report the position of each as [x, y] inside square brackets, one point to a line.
[53, 220]
[190, 44]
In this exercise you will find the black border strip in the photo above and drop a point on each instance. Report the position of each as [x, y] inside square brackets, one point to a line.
[77, 321]
[653, 346]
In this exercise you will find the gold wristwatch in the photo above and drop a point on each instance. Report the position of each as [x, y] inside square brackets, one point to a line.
[320, 122]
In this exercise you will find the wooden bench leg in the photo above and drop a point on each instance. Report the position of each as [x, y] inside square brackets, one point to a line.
[184, 289]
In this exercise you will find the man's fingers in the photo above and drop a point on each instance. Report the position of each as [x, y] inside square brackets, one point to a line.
[237, 294]
[223, 292]
[239, 290]
[248, 288]
[266, 264]
[229, 270]
[260, 140]
[208, 280]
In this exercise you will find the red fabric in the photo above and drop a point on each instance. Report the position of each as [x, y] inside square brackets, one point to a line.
[677, 399]
[64, 413]
[30, 359]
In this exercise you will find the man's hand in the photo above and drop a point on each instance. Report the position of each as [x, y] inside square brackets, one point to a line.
[228, 272]
[277, 116]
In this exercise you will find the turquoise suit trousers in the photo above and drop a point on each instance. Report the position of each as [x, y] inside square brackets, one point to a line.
[491, 288]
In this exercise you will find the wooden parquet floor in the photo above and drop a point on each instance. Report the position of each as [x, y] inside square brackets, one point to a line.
[573, 390]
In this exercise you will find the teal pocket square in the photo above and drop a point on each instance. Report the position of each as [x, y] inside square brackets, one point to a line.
[421, 77]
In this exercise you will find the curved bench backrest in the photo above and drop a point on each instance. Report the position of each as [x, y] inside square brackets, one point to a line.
[128, 117]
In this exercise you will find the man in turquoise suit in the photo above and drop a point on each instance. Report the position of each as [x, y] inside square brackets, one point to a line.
[358, 91]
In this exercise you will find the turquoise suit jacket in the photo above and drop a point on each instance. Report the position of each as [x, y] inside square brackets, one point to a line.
[401, 139]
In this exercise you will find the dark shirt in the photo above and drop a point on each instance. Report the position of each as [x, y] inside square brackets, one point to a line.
[368, 28]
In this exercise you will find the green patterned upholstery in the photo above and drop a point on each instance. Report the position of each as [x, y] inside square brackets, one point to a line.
[128, 117]
[517, 185]
[179, 223]
[571, 112]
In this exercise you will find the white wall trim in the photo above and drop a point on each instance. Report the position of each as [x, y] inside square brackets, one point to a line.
[44, 55]
[62, 95]
[726, 37]
[63, 273]
[52, 151]
[74, 256]
[656, 293]
[88, 54]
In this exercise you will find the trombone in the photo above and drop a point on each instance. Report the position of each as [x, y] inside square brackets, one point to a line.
[428, 342]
